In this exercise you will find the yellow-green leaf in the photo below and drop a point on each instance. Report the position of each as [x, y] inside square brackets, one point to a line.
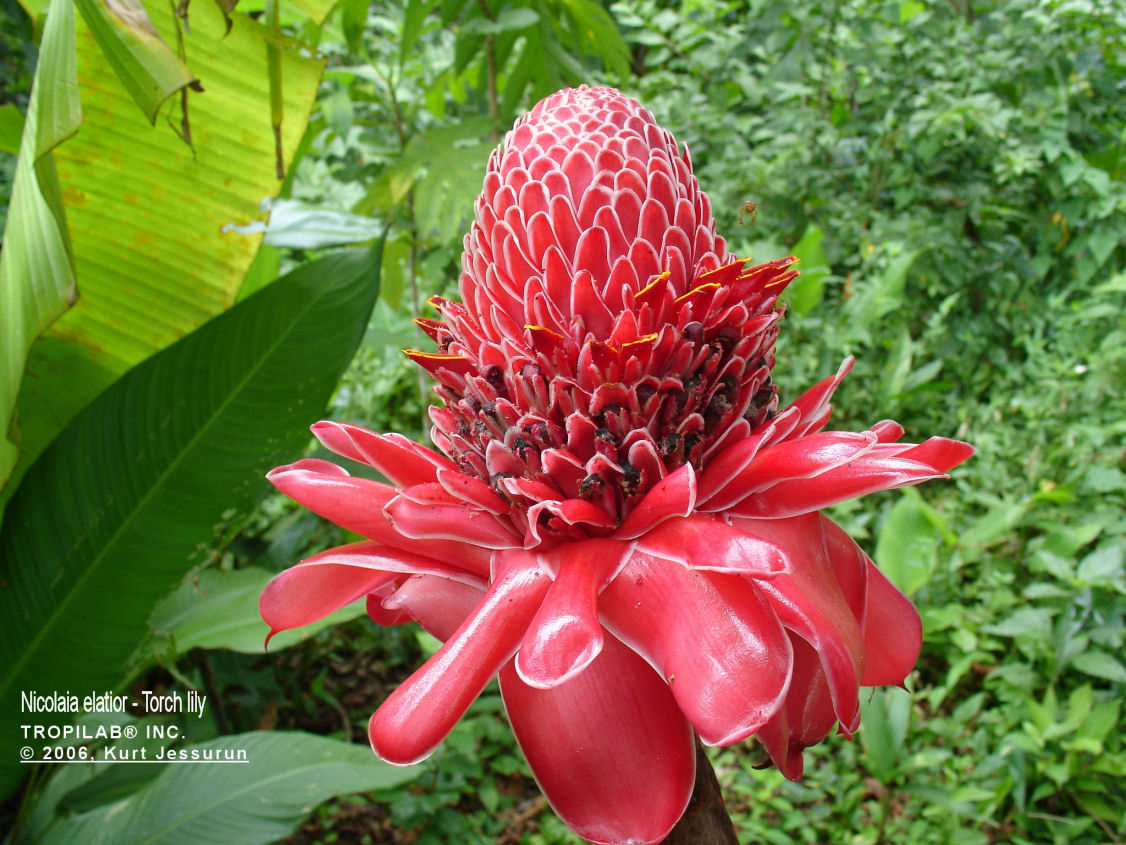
[34, 8]
[36, 268]
[317, 10]
[11, 128]
[143, 62]
[150, 218]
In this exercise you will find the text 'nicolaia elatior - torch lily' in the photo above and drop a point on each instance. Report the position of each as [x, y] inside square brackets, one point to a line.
[620, 522]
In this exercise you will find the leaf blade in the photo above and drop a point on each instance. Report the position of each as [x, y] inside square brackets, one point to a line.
[112, 513]
[36, 265]
[260, 801]
[140, 58]
[167, 263]
[219, 609]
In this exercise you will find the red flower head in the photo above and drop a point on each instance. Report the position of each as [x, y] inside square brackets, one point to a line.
[622, 525]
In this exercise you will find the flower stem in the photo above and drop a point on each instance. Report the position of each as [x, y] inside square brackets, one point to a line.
[705, 822]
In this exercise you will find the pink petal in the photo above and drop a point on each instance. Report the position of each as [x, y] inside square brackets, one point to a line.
[609, 748]
[461, 522]
[674, 495]
[807, 716]
[713, 637]
[419, 714]
[305, 594]
[400, 459]
[887, 431]
[893, 632]
[941, 453]
[568, 511]
[472, 490]
[565, 635]
[802, 458]
[371, 555]
[429, 494]
[328, 581]
[357, 505]
[725, 467]
[814, 403]
[704, 541]
[381, 615]
[439, 605]
[850, 566]
[867, 474]
[810, 603]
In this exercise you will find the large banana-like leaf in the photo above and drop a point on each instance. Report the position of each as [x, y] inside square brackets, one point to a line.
[110, 516]
[148, 214]
[143, 62]
[260, 800]
[36, 270]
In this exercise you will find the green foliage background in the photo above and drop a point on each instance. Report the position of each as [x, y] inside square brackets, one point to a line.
[953, 177]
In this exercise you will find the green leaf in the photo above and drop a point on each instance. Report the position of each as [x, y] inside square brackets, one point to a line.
[169, 262]
[896, 368]
[261, 800]
[11, 128]
[884, 730]
[353, 20]
[110, 784]
[140, 58]
[1115, 284]
[1034, 623]
[1079, 704]
[907, 549]
[1102, 242]
[599, 35]
[1098, 725]
[34, 8]
[1101, 665]
[509, 20]
[995, 525]
[413, 18]
[217, 609]
[444, 196]
[1103, 567]
[316, 10]
[263, 270]
[804, 294]
[445, 166]
[396, 255]
[64, 781]
[111, 515]
[36, 265]
[882, 295]
[909, 9]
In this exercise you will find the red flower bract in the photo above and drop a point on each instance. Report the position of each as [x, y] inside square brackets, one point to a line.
[623, 525]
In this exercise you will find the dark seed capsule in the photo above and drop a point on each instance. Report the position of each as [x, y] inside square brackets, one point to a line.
[591, 486]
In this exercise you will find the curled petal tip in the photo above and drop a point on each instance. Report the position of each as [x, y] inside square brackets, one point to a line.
[324, 430]
[547, 670]
[941, 453]
[383, 743]
[309, 465]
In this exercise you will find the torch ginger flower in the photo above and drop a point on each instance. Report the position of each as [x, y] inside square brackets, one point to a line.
[623, 525]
